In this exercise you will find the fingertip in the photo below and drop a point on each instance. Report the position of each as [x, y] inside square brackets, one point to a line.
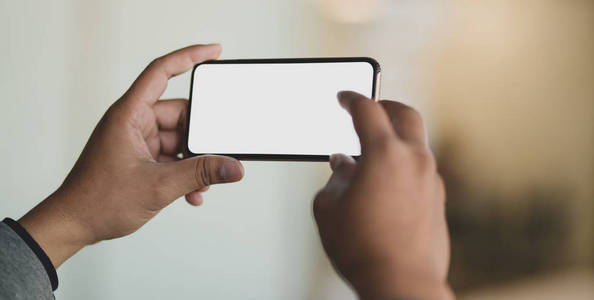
[343, 98]
[338, 160]
[203, 52]
[346, 98]
[242, 168]
[341, 94]
[335, 160]
[213, 45]
[218, 47]
[348, 94]
[194, 198]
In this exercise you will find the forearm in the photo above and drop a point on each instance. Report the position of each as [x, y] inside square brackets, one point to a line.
[389, 280]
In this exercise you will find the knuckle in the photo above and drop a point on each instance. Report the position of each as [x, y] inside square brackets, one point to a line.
[156, 63]
[426, 161]
[160, 188]
[117, 112]
[201, 173]
[115, 109]
[410, 113]
[413, 118]
[385, 145]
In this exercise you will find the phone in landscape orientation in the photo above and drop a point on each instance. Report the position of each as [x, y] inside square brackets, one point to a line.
[277, 109]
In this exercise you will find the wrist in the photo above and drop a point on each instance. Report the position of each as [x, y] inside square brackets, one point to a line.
[57, 232]
[410, 290]
[403, 284]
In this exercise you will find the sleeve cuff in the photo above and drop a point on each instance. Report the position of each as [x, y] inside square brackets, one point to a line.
[43, 258]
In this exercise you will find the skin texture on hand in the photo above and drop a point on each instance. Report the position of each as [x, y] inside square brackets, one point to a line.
[382, 219]
[129, 169]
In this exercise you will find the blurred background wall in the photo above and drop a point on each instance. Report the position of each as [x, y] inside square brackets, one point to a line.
[506, 88]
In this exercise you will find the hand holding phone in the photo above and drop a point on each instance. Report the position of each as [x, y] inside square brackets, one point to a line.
[129, 169]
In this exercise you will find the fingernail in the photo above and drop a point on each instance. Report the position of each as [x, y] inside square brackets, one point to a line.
[231, 171]
[217, 45]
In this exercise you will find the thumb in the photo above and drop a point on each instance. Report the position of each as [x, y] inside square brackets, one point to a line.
[342, 163]
[343, 167]
[192, 174]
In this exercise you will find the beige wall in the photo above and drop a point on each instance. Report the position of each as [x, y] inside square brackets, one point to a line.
[514, 92]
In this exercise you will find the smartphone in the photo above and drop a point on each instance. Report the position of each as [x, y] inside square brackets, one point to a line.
[277, 109]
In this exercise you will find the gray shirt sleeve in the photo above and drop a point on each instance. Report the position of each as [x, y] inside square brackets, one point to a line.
[22, 275]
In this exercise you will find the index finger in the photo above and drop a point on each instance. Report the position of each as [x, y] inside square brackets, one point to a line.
[369, 118]
[151, 83]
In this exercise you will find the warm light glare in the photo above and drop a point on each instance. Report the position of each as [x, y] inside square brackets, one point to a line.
[349, 11]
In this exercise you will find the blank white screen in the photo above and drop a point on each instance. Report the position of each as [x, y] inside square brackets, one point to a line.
[275, 108]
